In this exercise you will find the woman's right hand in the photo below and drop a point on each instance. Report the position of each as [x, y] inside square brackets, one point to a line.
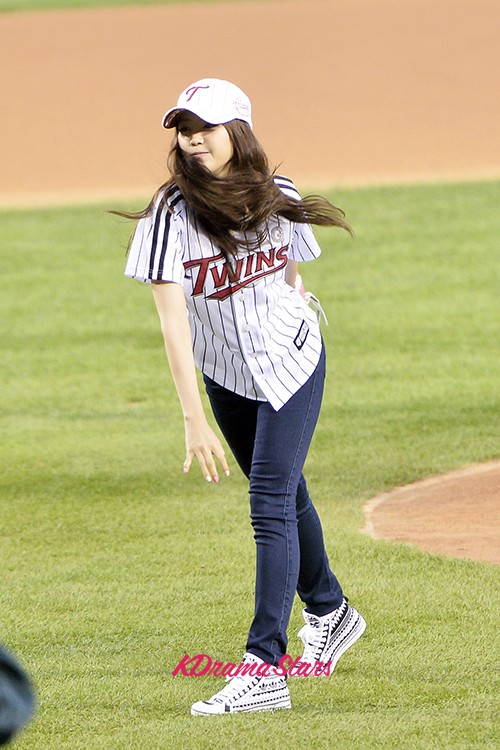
[203, 443]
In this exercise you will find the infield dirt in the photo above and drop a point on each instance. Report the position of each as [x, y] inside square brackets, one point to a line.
[367, 91]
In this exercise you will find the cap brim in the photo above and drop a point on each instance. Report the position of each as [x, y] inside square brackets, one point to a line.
[170, 117]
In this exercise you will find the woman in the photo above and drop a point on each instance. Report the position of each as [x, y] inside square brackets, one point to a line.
[222, 239]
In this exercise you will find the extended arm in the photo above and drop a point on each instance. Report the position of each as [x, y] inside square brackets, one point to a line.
[201, 441]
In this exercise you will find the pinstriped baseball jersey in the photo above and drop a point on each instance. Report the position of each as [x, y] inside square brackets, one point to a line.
[251, 332]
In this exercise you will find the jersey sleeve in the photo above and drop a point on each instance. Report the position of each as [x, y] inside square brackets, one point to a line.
[155, 249]
[304, 245]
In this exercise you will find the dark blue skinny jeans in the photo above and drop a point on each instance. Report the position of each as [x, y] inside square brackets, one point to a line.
[271, 448]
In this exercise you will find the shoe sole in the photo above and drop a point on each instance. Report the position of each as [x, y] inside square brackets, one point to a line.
[350, 640]
[285, 705]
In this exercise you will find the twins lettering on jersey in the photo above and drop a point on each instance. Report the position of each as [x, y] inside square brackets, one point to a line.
[227, 280]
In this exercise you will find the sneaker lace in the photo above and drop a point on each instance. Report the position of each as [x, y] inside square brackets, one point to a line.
[237, 686]
[316, 637]
[316, 633]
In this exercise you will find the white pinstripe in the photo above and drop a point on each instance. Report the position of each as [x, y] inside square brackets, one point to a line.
[255, 336]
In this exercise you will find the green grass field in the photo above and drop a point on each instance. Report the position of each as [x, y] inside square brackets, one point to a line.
[14, 5]
[113, 564]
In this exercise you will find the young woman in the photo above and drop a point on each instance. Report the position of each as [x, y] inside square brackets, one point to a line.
[220, 243]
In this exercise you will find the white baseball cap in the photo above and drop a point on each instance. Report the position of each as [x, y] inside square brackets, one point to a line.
[214, 101]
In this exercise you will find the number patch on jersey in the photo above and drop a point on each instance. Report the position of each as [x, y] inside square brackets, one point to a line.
[300, 338]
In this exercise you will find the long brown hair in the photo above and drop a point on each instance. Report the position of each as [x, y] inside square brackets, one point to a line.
[243, 199]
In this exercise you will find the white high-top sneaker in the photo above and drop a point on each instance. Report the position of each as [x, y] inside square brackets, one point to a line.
[247, 693]
[327, 638]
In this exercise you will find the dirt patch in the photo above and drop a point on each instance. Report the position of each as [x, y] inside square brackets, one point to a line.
[365, 92]
[456, 514]
[368, 91]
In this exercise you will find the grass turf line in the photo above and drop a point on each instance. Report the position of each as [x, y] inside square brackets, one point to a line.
[114, 564]
[20, 5]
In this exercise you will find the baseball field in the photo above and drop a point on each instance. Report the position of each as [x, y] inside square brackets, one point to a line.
[114, 564]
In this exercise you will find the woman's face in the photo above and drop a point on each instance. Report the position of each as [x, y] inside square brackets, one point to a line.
[210, 144]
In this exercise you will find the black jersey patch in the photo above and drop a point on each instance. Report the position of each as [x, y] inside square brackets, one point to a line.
[300, 338]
